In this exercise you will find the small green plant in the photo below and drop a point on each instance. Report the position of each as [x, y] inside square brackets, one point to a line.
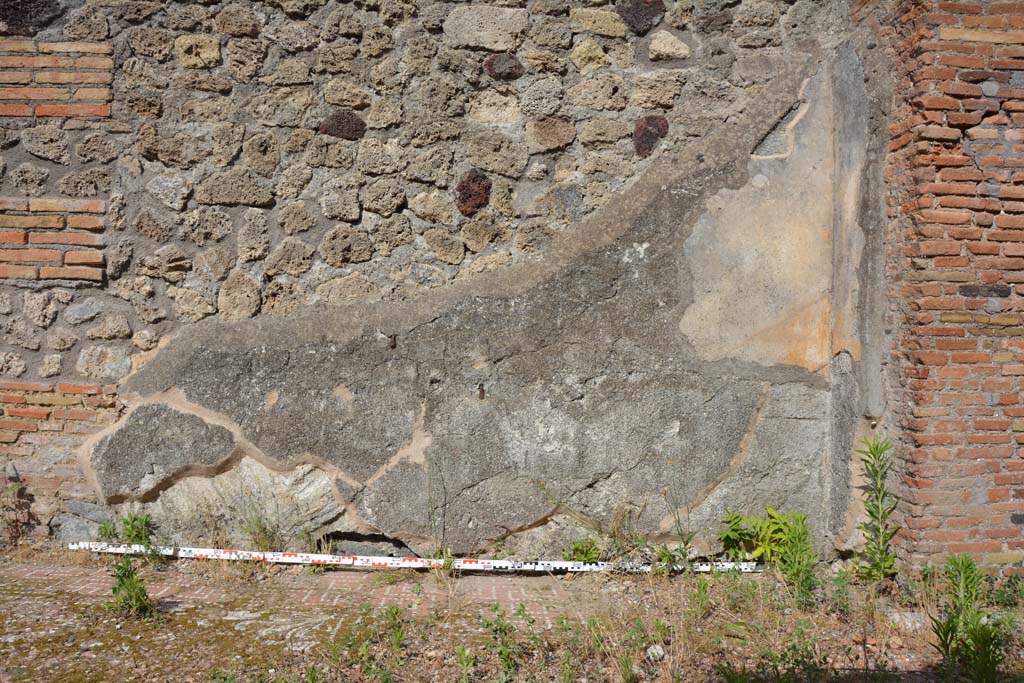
[502, 631]
[730, 674]
[966, 635]
[1007, 593]
[585, 550]
[781, 539]
[753, 537]
[983, 651]
[880, 503]
[738, 538]
[130, 595]
[137, 529]
[662, 631]
[466, 661]
[624, 663]
[264, 536]
[798, 662]
[625, 542]
[796, 558]
[839, 595]
[700, 598]
[396, 629]
[108, 531]
[667, 558]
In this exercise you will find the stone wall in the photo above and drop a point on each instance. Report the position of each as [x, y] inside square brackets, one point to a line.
[956, 258]
[421, 273]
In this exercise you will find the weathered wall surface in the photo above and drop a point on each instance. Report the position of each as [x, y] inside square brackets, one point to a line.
[956, 258]
[455, 274]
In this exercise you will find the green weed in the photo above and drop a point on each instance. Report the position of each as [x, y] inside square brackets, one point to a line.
[130, 595]
[585, 550]
[466, 661]
[879, 506]
[108, 531]
[137, 530]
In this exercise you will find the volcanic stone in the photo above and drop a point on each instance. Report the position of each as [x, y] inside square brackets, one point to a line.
[343, 124]
[504, 67]
[473, 192]
[665, 46]
[648, 132]
[640, 15]
[26, 17]
[549, 134]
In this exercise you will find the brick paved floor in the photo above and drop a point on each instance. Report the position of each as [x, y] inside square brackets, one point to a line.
[420, 593]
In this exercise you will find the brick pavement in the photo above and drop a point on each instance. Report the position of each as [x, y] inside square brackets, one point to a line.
[545, 597]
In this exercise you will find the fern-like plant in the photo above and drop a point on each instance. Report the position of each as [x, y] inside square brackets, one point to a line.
[880, 503]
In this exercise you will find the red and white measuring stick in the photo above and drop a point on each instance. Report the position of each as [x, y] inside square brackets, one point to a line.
[373, 562]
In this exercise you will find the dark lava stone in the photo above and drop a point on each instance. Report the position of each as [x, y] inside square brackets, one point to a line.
[473, 192]
[504, 67]
[640, 15]
[26, 17]
[343, 124]
[713, 23]
[648, 132]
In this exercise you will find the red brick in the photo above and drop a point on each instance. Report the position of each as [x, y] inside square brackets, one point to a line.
[34, 93]
[68, 388]
[937, 248]
[67, 110]
[20, 77]
[19, 272]
[33, 412]
[93, 94]
[17, 45]
[1007, 221]
[30, 255]
[71, 273]
[94, 63]
[69, 205]
[939, 102]
[72, 238]
[77, 47]
[74, 414]
[83, 258]
[35, 62]
[11, 221]
[18, 425]
[73, 77]
[15, 237]
[960, 89]
[15, 110]
[85, 222]
[945, 217]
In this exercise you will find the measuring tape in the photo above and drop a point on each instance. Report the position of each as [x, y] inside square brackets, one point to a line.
[375, 562]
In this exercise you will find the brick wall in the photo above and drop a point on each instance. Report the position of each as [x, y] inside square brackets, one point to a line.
[41, 426]
[956, 189]
[55, 79]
